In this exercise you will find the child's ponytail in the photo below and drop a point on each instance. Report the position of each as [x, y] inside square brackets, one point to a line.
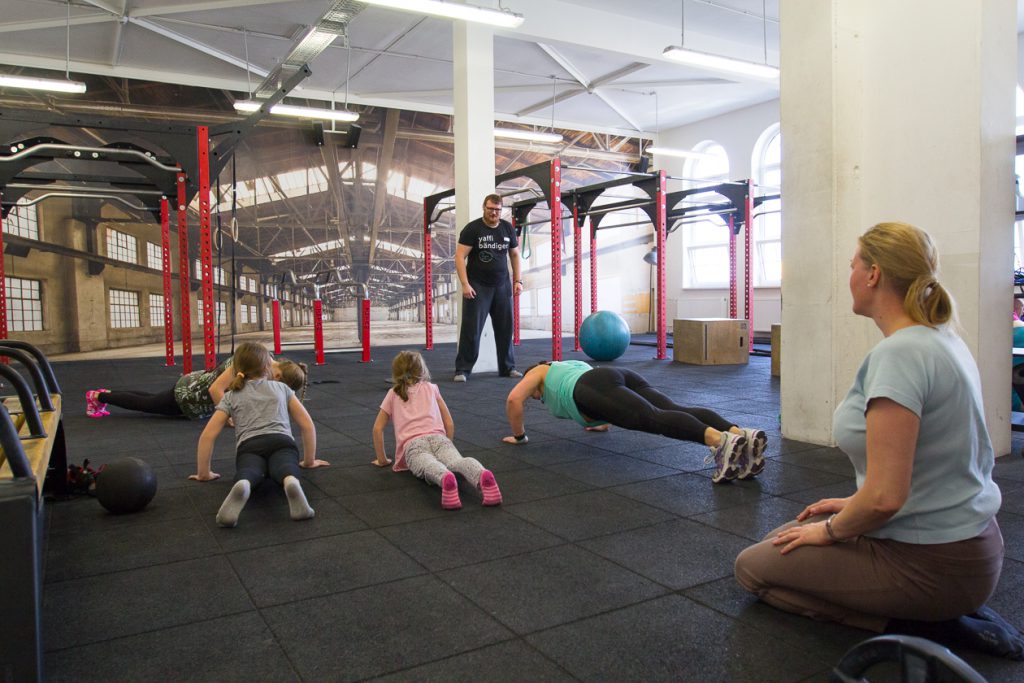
[251, 361]
[407, 369]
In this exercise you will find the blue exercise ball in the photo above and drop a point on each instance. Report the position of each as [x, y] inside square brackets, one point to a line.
[604, 335]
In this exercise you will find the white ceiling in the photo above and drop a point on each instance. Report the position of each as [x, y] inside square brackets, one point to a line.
[599, 59]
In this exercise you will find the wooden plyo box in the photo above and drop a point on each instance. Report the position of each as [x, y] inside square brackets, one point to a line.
[776, 350]
[710, 341]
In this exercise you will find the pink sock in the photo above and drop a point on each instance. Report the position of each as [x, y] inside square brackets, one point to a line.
[450, 492]
[489, 488]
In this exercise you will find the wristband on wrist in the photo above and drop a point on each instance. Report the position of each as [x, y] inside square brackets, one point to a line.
[832, 534]
[519, 437]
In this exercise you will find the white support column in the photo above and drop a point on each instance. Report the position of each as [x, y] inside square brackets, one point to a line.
[894, 111]
[473, 47]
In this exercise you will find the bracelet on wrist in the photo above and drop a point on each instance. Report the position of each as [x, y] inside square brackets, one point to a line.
[831, 533]
[519, 437]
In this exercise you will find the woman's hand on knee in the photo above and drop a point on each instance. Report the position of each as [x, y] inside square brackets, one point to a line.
[825, 506]
[802, 534]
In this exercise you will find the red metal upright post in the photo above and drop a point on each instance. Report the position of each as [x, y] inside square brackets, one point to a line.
[165, 246]
[206, 250]
[3, 284]
[555, 204]
[748, 231]
[277, 326]
[660, 227]
[732, 267]
[184, 268]
[318, 329]
[515, 300]
[577, 271]
[428, 282]
[593, 267]
[366, 331]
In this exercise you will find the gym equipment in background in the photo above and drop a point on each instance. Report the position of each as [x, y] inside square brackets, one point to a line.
[126, 486]
[604, 335]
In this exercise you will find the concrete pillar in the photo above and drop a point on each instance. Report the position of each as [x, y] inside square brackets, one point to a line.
[894, 111]
[474, 142]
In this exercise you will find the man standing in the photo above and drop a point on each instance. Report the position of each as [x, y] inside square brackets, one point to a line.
[485, 247]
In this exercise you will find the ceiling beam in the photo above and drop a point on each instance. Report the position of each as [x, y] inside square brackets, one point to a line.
[380, 192]
[202, 47]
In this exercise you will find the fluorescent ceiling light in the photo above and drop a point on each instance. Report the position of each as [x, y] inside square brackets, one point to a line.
[483, 15]
[719, 63]
[670, 152]
[52, 84]
[300, 112]
[534, 136]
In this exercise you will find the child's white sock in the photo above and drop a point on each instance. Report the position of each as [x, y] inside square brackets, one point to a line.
[232, 506]
[298, 506]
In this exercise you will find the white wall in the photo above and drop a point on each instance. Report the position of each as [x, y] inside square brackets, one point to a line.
[738, 133]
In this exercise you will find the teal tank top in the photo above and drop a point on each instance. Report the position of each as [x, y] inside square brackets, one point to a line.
[559, 384]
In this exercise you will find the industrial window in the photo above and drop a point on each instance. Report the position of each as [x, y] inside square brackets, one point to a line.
[244, 314]
[23, 221]
[218, 273]
[222, 313]
[267, 314]
[122, 247]
[767, 234]
[706, 241]
[124, 308]
[156, 310]
[24, 305]
[155, 256]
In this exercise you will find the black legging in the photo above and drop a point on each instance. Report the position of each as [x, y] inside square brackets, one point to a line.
[627, 400]
[273, 454]
[162, 403]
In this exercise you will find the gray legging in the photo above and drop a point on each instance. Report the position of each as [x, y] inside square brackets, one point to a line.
[273, 454]
[625, 399]
[430, 457]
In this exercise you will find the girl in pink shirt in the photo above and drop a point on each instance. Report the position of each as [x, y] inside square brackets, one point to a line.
[423, 434]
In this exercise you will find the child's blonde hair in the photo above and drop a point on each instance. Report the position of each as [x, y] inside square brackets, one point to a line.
[407, 369]
[295, 375]
[251, 361]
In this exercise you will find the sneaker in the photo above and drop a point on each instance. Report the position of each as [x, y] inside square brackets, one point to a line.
[489, 489]
[93, 407]
[459, 377]
[450, 492]
[757, 441]
[726, 457]
[515, 373]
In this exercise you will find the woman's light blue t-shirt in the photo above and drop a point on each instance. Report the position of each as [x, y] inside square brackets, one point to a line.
[930, 372]
[559, 383]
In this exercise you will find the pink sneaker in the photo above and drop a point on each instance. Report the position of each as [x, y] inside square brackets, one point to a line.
[450, 492]
[93, 407]
[489, 487]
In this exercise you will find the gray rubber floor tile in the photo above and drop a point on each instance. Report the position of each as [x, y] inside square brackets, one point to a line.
[467, 537]
[677, 554]
[98, 608]
[373, 631]
[548, 587]
[511, 662]
[233, 648]
[591, 513]
[611, 470]
[669, 639]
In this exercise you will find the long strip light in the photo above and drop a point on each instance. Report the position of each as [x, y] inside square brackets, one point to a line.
[51, 84]
[482, 15]
[718, 63]
[531, 135]
[672, 152]
[300, 112]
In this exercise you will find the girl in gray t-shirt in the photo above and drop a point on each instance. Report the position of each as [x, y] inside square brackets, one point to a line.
[262, 410]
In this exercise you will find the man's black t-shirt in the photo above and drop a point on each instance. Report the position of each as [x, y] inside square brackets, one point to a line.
[487, 262]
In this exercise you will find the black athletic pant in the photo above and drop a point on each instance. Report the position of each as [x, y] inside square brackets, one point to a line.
[625, 399]
[161, 403]
[495, 301]
[273, 454]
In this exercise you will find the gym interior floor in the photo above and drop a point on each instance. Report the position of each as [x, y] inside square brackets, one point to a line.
[610, 559]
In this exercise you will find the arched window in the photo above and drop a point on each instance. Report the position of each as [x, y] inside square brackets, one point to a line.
[706, 242]
[767, 235]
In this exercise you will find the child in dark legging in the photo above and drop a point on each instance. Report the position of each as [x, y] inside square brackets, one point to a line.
[599, 397]
[193, 395]
[262, 410]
